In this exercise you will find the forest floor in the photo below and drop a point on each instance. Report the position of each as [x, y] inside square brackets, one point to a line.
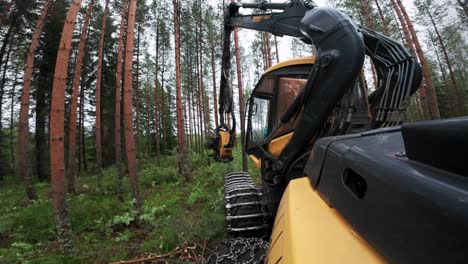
[176, 213]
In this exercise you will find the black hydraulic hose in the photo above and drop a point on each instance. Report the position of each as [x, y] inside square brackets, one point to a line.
[340, 49]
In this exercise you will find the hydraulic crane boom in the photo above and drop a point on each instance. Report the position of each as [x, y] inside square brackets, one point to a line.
[340, 45]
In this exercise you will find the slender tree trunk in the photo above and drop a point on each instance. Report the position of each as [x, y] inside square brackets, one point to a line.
[74, 101]
[57, 155]
[163, 107]
[459, 104]
[382, 18]
[426, 72]
[156, 97]
[5, 12]
[409, 43]
[365, 7]
[451, 112]
[268, 50]
[12, 121]
[191, 113]
[463, 5]
[277, 52]
[148, 116]
[181, 141]
[137, 95]
[241, 100]
[213, 72]
[82, 128]
[3, 156]
[128, 118]
[117, 119]
[98, 97]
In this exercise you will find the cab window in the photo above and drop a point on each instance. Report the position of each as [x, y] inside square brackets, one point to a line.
[288, 90]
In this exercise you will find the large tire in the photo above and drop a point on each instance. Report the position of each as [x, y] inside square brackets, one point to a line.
[239, 250]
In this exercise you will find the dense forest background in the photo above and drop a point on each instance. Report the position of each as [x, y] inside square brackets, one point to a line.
[106, 106]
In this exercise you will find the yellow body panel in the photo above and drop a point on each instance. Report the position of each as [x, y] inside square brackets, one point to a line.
[223, 151]
[291, 62]
[257, 162]
[307, 230]
[277, 145]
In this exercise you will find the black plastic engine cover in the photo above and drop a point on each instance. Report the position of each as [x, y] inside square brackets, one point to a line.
[440, 143]
[409, 212]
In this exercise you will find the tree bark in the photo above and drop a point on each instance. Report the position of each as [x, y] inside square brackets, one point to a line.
[156, 97]
[277, 52]
[213, 72]
[57, 155]
[137, 95]
[128, 118]
[451, 111]
[117, 120]
[98, 97]
[384, 23]
[409, 43]
[3, 157]
[181, 141]
[459, 104]
[422, 59]
[5, 12]
[74, 101]
[163, 106]
[241, 100]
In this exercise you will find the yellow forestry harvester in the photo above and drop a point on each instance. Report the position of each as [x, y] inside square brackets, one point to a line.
[343, 180]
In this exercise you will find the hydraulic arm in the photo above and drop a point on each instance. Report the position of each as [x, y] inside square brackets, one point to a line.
[341, 46]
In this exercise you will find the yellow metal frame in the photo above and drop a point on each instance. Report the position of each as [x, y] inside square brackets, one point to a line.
[224, 152]
[307, 230]
[277, 145]
[291, 62]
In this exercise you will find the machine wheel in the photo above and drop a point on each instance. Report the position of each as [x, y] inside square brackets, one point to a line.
[239, 250]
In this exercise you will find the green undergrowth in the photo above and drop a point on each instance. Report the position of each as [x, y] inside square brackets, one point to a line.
[105, 230]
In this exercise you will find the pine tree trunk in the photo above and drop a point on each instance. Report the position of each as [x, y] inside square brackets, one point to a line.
[409, 43]
[128, 118]
[190, 106]
[82, 134]
[382, 18]
[57, 155]
[163, 108]
[181, 141]
[137, 95]
[277, 52]
[422, 59]
[451, 112]
[365, 7]
[213, 72]
[268, 49]
[74, 102]
[117, 119]
[241, 100]
[12, 121]
[459, 104]
[98, 97]
[5, 12]
[156, 97]
[3, 156]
